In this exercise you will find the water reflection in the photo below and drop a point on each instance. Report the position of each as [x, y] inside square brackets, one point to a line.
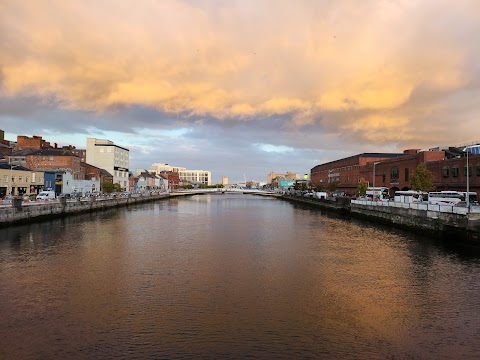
[232, 276]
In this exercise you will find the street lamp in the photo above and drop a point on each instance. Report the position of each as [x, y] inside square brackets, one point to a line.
[468, 182]
[375, 163]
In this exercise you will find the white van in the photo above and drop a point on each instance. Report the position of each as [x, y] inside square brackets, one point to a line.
[46, 195]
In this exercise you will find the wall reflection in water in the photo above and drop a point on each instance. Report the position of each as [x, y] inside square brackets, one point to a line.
[230, 276]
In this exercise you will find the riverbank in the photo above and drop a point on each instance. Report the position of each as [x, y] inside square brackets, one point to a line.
[453, 226]
[22, 212]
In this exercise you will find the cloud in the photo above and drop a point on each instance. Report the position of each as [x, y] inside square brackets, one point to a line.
[320, 76]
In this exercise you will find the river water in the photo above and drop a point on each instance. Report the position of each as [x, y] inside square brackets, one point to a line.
[233, 277]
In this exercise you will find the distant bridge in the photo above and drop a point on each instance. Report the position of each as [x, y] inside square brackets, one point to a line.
[220, 191]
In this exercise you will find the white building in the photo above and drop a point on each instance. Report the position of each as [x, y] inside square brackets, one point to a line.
[157, 168]
[224, 180]
[196, 176]
[113, 158]
[190, 176]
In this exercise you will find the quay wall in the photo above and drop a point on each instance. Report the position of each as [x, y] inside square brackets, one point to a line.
[20, 212]
[442, 225]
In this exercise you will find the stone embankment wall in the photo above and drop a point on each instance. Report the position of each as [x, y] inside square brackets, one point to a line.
[432, 223]
[435, 223]
[19, 212]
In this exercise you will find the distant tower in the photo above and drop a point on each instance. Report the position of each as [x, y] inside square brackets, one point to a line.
[224, 180]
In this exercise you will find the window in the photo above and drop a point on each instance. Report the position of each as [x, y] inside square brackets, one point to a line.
[469, 170]
[406, 174]
[27, 179]
[384, 178]
[445, 171]
[5, 178]
[455, 171]
[20, 179]
[50, 158]
[394, 174]
[478, 169]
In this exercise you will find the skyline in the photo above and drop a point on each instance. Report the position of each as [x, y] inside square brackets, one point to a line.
[241, 87]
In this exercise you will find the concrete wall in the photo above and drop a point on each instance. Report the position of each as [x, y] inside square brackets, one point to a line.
[19, 212]
[434, 223]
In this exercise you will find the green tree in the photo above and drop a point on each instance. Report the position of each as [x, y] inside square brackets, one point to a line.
[333, 186]
[107, 187]
[422, 179]
[318, 186]
[362, 187]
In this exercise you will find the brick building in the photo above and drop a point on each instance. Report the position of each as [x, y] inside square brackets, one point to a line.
[92, 172]
[395, 171]
[172, 178]
[50, 159]
[347, 172]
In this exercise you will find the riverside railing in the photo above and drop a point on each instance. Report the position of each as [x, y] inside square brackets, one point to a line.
[461, 210]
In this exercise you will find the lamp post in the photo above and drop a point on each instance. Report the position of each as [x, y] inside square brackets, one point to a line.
[375, 163]
[468, 182]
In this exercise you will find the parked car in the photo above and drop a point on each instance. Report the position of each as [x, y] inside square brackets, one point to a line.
[46, 195]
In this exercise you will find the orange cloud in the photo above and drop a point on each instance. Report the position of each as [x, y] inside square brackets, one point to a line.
[240, 59]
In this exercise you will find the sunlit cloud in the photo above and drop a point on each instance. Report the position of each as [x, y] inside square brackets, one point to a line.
[329, 71]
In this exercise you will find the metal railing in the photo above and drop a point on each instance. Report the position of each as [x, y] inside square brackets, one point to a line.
[462, 210]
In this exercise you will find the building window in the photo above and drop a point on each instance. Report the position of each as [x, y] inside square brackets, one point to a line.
[27, 179]
[455, 171]
[406, 174]
[469, 170]
[50, 158]
[394, 174]
[478, 169]
[384, 178]
[20, 179]
[5, 178]
[445, 171]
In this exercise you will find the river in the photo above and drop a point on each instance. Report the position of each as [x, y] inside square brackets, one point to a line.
[233, 277]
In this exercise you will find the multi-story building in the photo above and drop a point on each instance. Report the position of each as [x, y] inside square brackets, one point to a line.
[172, 179]
[157, 168]
[52, 160]
[224, 180]
[18, 180]
[288, 176]
[186, 176]
[196, 176]
[346, 172]
[394, 171]
[113, 158]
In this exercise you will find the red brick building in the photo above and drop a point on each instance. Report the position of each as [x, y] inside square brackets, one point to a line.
[48, 159]
[172, 177]
[92, 172]
[34, 142]
[348, 171]
[395, 172]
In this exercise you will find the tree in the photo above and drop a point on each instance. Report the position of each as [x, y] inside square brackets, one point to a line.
[107, 186]
[362, 187]
[318, 186]
[422, 179]
[333, 186]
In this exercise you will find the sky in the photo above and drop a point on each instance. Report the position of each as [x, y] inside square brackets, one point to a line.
[242, 87]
